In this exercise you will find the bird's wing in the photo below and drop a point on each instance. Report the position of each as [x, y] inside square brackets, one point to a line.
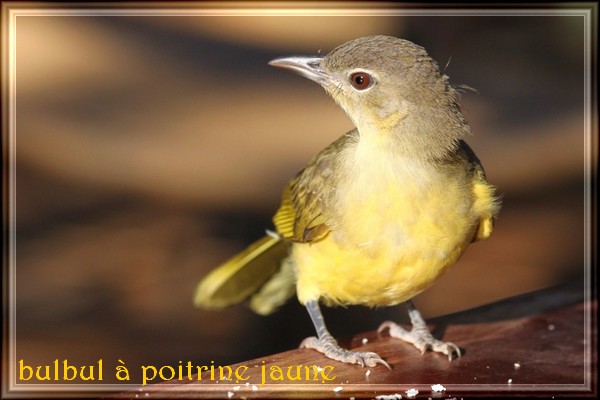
[304, 212]
[486, 204]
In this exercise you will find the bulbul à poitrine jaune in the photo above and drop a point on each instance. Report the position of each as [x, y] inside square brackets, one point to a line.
[380, 214]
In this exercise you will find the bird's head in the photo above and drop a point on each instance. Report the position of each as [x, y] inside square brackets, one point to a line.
[387, 85]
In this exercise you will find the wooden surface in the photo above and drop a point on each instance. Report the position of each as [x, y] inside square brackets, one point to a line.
[543, 355]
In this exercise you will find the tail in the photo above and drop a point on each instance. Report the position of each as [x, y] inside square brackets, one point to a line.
[247, 274]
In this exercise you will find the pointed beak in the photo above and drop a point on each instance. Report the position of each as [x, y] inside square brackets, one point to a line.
[308, 67]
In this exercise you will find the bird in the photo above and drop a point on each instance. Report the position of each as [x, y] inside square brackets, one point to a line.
[380, 214]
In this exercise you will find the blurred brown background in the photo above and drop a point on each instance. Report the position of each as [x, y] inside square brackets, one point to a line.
[151, 148]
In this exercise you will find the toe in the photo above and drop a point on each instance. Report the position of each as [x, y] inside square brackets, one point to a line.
[309, 343]
[385, 325]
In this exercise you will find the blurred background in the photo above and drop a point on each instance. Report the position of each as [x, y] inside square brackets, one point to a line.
[152, 148]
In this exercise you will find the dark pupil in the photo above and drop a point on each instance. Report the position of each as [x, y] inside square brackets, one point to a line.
[359, 79]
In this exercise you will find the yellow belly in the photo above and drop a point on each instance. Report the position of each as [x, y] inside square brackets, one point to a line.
[342, 276]
[387, 245]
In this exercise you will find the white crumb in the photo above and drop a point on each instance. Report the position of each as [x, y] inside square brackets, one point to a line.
[247, 383]
[365, 340]
[319, 369]
[235, 388]
[411, 393]
[337, 389]
[517, 365]
[551, 327]
[438, 388]
[254, 388]
[230, 394]
[509, 381]
[368, 373]
[394, 396]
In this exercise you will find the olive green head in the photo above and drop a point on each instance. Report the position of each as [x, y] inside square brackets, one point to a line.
[387, 84]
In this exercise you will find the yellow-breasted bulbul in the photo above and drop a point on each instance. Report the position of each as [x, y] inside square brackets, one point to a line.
[381, 213]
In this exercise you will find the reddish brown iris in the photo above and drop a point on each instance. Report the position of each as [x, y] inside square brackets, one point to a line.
[360, 80]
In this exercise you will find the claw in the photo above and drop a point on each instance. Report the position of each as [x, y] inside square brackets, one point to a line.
[454, 349]
[383, 362]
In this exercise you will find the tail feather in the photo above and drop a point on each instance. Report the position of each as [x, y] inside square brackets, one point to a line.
[242, 275]
[277, 291]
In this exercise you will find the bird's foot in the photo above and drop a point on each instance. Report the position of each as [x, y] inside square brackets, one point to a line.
[421, 338]
[330, 348]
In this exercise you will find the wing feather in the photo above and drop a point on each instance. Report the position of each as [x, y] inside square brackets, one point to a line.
[304, 213]
[242, 275]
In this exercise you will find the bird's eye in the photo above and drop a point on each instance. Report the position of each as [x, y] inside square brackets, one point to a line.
[361, 80]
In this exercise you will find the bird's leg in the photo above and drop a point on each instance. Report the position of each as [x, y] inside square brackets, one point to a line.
[419, 335]
[326, 344]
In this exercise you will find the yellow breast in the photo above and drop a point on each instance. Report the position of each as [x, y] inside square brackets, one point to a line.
[397, 226]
